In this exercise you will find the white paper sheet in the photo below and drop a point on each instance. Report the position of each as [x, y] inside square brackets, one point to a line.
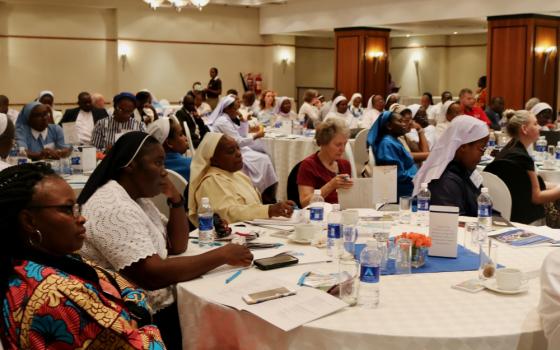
[287, 313]
[385, 184]
[443, 231]
[360, 195]
[70, 133]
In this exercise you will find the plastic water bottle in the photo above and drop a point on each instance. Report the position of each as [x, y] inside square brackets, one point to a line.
[316, 208]
[370, 260]
[491, 143]
[21, 157]
[76, 161]
[557, 154]
[334, 232]
[423, 214]
[484, 210]
[540, 148]
[205, 224]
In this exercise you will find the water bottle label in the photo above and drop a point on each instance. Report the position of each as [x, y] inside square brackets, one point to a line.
[491, 143]
[423, 205]
[369, 274]
[316, 214]
[205, 223]
[484, 210]
[76, 160]
[557, 155]
[541, 148]
[22, 161]
[334, 230]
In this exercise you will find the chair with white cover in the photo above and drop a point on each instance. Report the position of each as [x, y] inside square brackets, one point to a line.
[189, 138]
[349, 155]
[160, 201]
[361, 149]
[498, 190]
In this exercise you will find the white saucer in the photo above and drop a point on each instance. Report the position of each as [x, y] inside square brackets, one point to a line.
[300, 241]
[493, 286]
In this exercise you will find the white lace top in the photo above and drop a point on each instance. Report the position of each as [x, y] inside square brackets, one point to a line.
[121, 231]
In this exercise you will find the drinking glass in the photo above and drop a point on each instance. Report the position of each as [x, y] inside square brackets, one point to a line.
[383, 247]
[349, 279]
[403, 263]
[349, 220]
[404, 209]
[470, 237]
[488, 260]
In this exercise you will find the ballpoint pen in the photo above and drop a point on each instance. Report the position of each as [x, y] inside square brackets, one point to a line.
[234, 276]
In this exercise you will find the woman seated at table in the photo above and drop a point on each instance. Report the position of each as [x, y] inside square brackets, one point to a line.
[174, 141]
[420, 117]
[47, 98]
[388, 150]
[545, 116]
[51, 297]
[216, 174]
[283, 111]
[524, 131]
[256, 164]
[450, 170]
[127, 233]
[267, 104]
[7, 135]
[308, 112]
[339, 110]
[326, 170]
[420, 149]
[355, 106]
[40, 139]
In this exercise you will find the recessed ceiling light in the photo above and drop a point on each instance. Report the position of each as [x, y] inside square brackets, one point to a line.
[455, 33]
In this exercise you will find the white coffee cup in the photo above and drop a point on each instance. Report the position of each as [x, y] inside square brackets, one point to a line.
[304, 232]
[510, 279]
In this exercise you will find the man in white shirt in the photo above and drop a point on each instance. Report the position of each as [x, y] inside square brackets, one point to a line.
[450, 110]
[5, 108]
[84, 117]
[439, 117]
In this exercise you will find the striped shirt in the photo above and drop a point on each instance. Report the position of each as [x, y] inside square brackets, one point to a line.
[107, 129]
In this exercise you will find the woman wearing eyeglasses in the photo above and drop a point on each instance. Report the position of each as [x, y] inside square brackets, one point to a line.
[52, 298]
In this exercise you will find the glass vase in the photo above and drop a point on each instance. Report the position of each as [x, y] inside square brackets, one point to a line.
[419, 256]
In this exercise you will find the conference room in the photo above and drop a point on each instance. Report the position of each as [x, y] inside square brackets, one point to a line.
[279, 174]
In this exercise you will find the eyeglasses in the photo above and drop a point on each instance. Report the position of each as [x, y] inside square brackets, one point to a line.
[74, 210]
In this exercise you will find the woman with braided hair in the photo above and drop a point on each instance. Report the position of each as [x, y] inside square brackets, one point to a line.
[50, 297]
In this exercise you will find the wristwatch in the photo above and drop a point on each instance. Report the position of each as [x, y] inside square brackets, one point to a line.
[178, 204]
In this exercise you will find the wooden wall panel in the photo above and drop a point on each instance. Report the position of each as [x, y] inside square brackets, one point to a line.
[376, 80]
[348, 64]
[544, 81]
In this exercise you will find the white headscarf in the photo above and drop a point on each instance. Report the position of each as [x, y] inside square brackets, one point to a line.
[45, 92]
[414, 108]
[393, 94]
[278, 104]
[219, 110]
[539, 107]
[199, 167]
[355, 96]
[336, 101]
[445, 107]
[3, 123]
[462, 130]
[159, 129]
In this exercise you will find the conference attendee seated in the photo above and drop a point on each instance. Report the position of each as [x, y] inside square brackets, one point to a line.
[283, 111]
[174, 141]
[494, 111]
[326, 170]
[531, 103]
[216, 174]
[108, 130]
[549, 304]
[418, 150]
[388, 150]
[372, 112]
[326, 106]
[439, 116]
[256, 164]
[449, 110]
[145, 111]
[52, 298]
[98, 100]
[339, 111]
[545, 116]
[420, 117]
[47, 98]
[524, 131]
[469, 107]
[249, 104]
[427, 103]
[202, 107]
[7, 137]
[355, 106]
[391, 100]
[127, 233]
[5, 108]
[267, 104]
[308, 113]
[450, 170]
[189, 114]
[40, 139]
[85, 116]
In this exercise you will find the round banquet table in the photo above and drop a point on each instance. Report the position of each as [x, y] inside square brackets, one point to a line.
[418, 311]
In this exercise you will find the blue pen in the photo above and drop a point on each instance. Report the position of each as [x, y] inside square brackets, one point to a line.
[234, 276]
[302, 278]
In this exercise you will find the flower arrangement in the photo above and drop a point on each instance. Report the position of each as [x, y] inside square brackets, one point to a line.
[420, 245]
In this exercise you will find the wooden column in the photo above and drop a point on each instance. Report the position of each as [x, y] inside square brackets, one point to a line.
[362, 61]
[522, 58]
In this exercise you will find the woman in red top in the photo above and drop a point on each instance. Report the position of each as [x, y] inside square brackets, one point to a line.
[326, 170]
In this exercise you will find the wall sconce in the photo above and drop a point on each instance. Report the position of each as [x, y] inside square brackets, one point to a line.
[376, 56]
[547, 52]
[124, 52]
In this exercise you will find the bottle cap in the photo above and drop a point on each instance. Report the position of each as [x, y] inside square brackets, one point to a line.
[424, 185]
[372, 243]
[205, 200]
[317, 192]
[484, 190]
[336, 207]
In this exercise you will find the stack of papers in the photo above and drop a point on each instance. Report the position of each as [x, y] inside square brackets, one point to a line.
[518, 237]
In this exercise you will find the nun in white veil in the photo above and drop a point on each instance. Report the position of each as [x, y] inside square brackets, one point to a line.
[46, 97]
[450, 170]
[339, 110]
[256, 164]
[283, 110]
[355, 106]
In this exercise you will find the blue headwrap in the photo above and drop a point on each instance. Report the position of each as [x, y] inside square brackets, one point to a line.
[124, 96]
[377, 131]
[23, 118]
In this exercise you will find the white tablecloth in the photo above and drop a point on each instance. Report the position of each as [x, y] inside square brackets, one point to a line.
[416, 312]
[552, 176]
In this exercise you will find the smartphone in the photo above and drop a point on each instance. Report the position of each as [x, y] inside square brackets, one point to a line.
[265, 295]
[471, 286]
[275, 262]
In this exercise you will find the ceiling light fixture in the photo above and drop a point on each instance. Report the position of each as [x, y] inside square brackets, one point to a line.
[177, 4]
